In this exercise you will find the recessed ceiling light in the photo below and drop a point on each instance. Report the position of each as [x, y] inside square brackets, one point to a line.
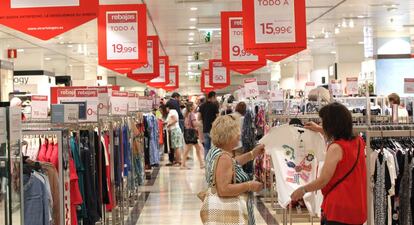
[193, 8]
[337, 30]
[191, 34]
[48, 59]
[20, 50]
[311, 40]
[333, 52]
[191, 43]
[360, 42]
[192, 27]
[70, 46]
[193, 19]
[344, 24]
[361, 17]
[61, 42]
[351, 23]
[191, 39]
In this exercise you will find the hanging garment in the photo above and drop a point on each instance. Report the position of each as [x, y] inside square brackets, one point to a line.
[43, 150]
[82, 213]
[36, 204]
[110, 205]
[117, 157]
[126, 150]
[154, 142]
[75, 195]
[380, 193]
[52, 175]
[405, 192]
[295, 154]
[248, 138]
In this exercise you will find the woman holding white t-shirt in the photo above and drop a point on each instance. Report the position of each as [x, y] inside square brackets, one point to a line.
[343, 176]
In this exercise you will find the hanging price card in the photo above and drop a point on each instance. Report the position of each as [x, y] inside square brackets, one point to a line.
[132, 102]
[90, 96]
[205, 81]
[164, 77]
[119, 103]
[251, 88]
[174, 76]
[103, 98]
[219, 74]
[352, 85]
[122, 37]
[150, 70]
[39, 106]
[409, 85]
[277, 95]
[234, 54]
[263, 89]
[336, 87]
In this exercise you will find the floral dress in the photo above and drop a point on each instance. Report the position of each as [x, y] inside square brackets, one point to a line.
[241, 177]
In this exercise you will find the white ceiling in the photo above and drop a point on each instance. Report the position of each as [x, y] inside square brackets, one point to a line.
[172, 21]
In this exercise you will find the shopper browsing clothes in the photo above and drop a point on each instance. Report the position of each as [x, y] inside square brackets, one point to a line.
[208, 113]
[225, 136]
[343, 176]
[174, 103]
[176, 134]
[394, 99]
[191, 135]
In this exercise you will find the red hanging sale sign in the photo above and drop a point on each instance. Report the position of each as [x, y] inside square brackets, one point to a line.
[275, 29]
[164, 76]
[47, 18]
[251, 88]
[122, 37]
[219, 74]
[174, 81]
[205, 81]
[150, 70]
[234, 54]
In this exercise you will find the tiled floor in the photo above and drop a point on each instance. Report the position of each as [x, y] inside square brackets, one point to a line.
[172, 199]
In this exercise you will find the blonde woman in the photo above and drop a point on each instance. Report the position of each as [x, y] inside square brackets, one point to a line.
[225, 136]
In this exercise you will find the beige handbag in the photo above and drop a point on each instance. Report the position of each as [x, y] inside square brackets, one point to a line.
[216, 210]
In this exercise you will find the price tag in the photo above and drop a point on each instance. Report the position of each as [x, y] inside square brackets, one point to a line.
[237, 51]
[352, 85]
[119, 103]
[251, 88]
[173, 76]
[3, 134]
[122, 35]
[71, 114]
[39, 106]
[409, 85]
[336, 87]
[277, 95]
[220, 76]
[275, 21]
[103, 100]
[263, 89]
[132, 102]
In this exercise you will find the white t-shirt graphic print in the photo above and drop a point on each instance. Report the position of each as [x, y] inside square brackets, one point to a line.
[296, 153]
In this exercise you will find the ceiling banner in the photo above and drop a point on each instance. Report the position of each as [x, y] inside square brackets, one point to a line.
[234, 54]
[150, 70]
[122, 37]
[274, 29]
[47, 18]
[164, 76]
[174, 79]
[205, 81]
[219, 74]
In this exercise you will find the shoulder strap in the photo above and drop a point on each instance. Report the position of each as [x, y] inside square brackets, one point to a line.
[349, 172]
[215, 169]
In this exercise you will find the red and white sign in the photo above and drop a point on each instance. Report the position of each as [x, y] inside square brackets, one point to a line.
[263, 89]
[335, 87]
[39, 106]
[219, 74]
[234, 54]
[145, 103]
[205, 81]
[275, 29]
[132, 102]
[308, 87]
[90, 96]
[119, 103]
[251, 88]
[352, 85]
[46, 19]
[122, 37]
[174, 75]
[150, 70]
[103, 97]
[409, 85]
[277, 95]
[164, 76]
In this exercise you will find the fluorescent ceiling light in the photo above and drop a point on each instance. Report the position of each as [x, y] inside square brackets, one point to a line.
[193, 8]
[337, 30]
[344, 24]
[191, 39]
[360, 42]
[333, 52]
[192, 27]
[20, 50]
[361, 17]
[311, 40]
[191, 34]
[191, 43]
[351, 23]
[48, 59]
[193, 19]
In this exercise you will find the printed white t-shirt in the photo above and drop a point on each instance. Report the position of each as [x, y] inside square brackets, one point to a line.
[174, 113]
[296, 153]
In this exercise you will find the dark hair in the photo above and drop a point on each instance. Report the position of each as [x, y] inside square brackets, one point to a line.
[175, 95]
[211, 94]
[241, 108]
[188, 107]
[336, 122]
[394, 98]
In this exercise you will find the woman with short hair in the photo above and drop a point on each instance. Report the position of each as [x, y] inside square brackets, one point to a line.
[343, 176]
[225, 136]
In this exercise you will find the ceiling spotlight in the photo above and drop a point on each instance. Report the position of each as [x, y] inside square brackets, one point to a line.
[311, 40]
[48, 59]
[337, 30]
[191, 39]
[351, 23]
[61, 42]
[361, 17]
[191, 34]
[20, 50]
[193, 19]
[70, 46]
[333, 52]
[191, 43]
[360, 42]
[193, 8]
[327, 35]
[192, 27]
[344, 24]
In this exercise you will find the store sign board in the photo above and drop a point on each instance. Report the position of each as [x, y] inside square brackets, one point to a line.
[132, 102]
[251, 88]
[65, 114]
[119, 103]
[205, 81]
[103, 100]
[46, 19]
[164, 76]
[3, 126]
[219, 74]
[234, 54]
[145, 103]
[90, 96]
[277, 95]
[122, 39]
[409, 85]
[39, 106]
[174, 75]
[352, 85]
[274, 29]
[263, 89]
[150, 70]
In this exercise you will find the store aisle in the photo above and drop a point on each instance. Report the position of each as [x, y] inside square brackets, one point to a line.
[172, 199]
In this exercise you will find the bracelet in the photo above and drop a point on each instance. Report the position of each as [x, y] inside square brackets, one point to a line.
[249, 189]
[252, 155]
